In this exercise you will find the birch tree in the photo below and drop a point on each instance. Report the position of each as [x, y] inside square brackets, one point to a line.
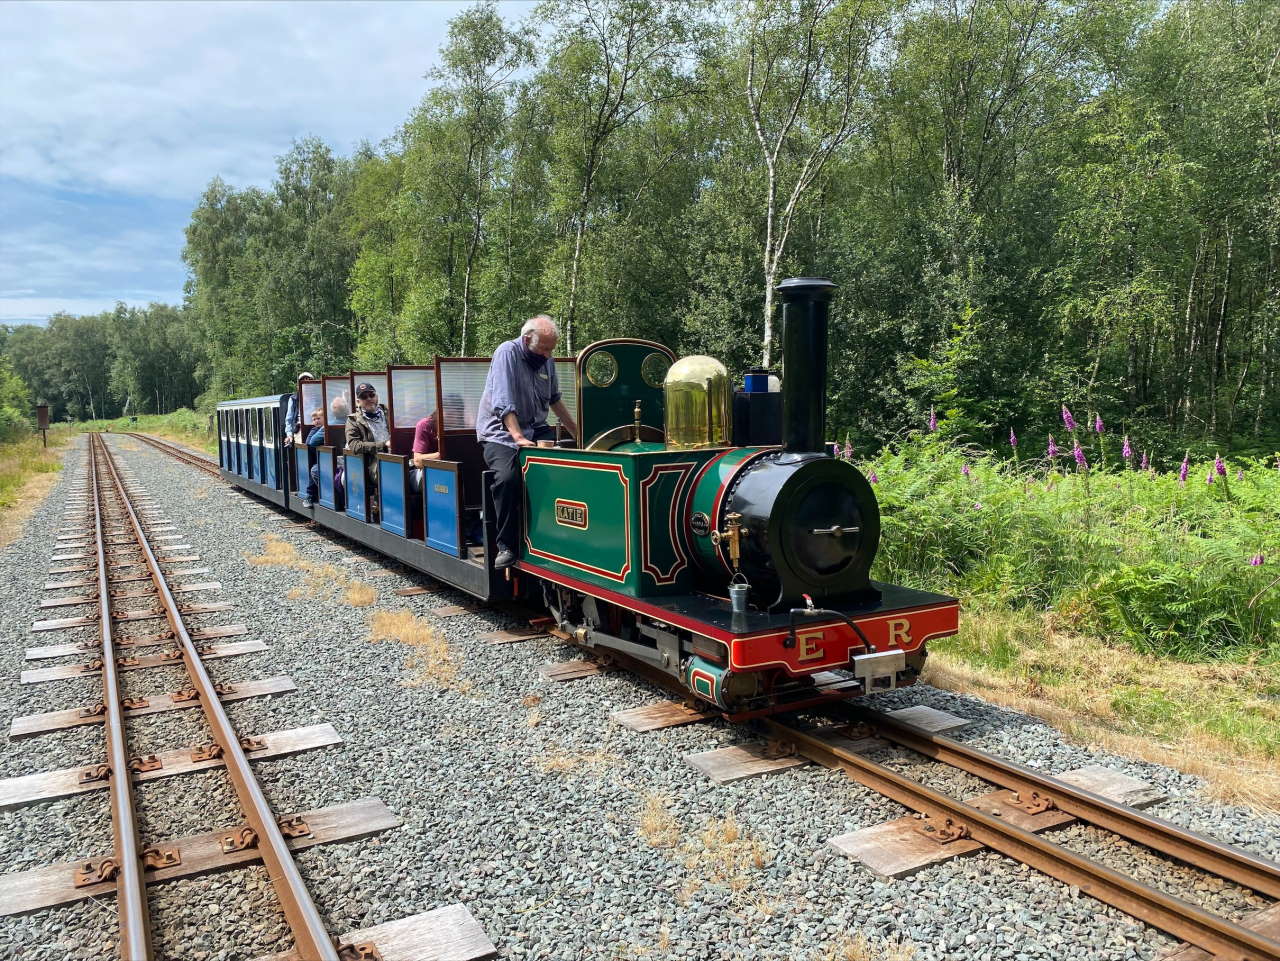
[807, 63]
[610, 61]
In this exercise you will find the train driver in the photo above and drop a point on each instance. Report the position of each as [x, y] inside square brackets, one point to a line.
[520, 388]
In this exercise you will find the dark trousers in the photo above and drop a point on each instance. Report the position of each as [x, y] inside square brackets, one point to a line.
[508, 487]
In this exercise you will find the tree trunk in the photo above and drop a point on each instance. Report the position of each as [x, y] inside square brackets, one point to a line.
[1218, 363]
[770, 263]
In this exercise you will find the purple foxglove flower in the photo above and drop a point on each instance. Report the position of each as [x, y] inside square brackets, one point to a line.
[1052, 452]
[1067, 418]
[1239, 475]
[1257, 560]
[1146, 461]
[835, 450]
[848, 450]
[1081, 461]
[977, 505]
[873, 478]
[1186, 466]
[1126, 450]
[1208, 478]
[1013, 438]
[1097, 424]
[1219, 466]
[965, 470]
[933, 419]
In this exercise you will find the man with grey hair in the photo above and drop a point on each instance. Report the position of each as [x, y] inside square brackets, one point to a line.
[519, 390]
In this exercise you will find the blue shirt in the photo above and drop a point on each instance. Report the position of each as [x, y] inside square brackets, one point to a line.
[519, 381]
[316, 437]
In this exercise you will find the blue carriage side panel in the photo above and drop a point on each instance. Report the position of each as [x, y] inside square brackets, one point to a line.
[303, 458]
[251, 468]
[442, 504]
[357, 501]
[324, 456]
[393, 494]
[270, 446]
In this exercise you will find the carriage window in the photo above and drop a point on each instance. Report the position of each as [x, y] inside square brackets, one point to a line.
[312, 399]
[567, 378]
[269, 426]
[413, 396]
[334, 388]
[461, 384]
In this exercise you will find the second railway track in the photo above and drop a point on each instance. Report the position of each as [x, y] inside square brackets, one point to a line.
[111, 554]
[179, 453]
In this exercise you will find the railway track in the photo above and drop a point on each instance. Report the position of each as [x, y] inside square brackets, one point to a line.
[948, 820]
[115, 550]
[186, 456]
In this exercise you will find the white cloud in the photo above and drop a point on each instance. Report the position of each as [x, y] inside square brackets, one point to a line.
[156, 98]
[144, 103]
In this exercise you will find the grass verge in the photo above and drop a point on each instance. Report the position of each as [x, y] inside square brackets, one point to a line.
[1218, 720]
[27, 472]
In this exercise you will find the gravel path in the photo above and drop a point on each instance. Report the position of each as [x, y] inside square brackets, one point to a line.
[520, 799]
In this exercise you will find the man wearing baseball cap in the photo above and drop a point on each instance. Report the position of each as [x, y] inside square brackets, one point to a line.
[369, 432]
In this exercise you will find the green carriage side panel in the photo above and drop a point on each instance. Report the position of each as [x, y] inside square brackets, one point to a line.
[612, 376]
[580, 516]
[612, 518]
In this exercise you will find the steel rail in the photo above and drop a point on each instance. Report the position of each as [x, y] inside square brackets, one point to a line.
[311, 939]
[195, 460]
[131, 885]
[1224, 939]
[1248, 870]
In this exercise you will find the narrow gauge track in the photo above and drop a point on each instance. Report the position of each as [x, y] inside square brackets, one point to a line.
[113, 554]
[111, 502]
[949, 819]
[187, 457]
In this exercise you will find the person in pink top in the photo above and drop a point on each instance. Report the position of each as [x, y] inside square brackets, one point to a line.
[426, 446]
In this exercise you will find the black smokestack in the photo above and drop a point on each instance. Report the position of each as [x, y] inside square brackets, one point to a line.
[804, 361]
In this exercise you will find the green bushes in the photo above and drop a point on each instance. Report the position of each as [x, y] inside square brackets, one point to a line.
[13, 425]
[1184, 570]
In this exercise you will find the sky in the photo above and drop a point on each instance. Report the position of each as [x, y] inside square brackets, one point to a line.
[114, 117]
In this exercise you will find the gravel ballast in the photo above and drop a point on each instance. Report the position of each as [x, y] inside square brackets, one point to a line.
[519, 798]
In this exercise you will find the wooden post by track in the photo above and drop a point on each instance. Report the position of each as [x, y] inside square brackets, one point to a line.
[42, 422]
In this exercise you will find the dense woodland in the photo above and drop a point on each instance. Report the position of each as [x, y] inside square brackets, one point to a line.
[1026, 203]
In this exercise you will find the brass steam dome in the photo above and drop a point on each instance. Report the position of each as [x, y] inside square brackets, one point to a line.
[699, 404]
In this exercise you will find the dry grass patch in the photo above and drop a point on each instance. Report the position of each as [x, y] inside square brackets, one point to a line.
[658, 826]
[1219, 721]
[360, 594]
[859, 947]
[276, 552]
[579, 762]
[27, 472]
[431, 659]
[323, 581]
[722, 853]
